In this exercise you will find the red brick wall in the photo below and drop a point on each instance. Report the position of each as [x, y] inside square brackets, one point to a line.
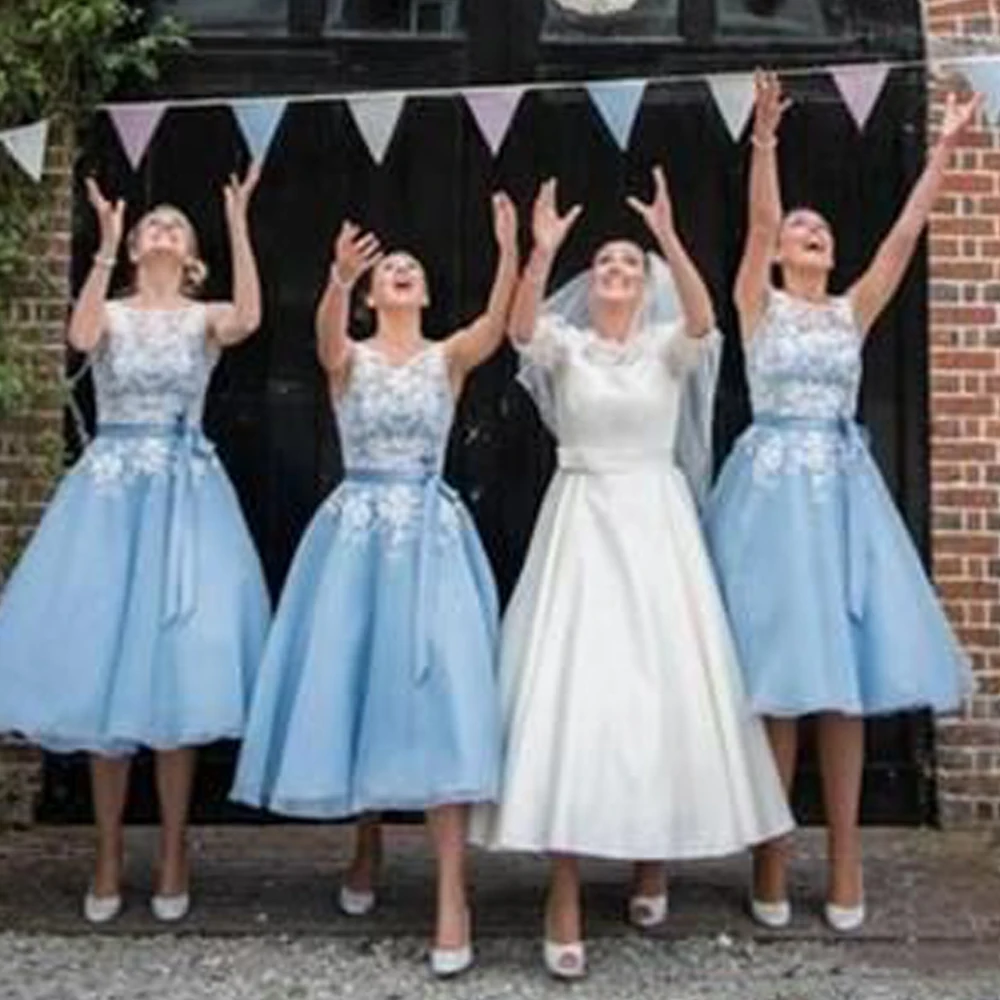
[31, 443]
[965, 436]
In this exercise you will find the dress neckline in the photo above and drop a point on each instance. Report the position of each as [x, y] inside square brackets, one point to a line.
[428, 347]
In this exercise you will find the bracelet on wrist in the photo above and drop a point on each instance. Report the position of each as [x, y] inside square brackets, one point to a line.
[337, 280]
[764, 142]
[107, 261]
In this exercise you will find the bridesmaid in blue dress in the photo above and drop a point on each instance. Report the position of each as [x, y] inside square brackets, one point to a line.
[138, 614]
[377, 688]
[831, 609]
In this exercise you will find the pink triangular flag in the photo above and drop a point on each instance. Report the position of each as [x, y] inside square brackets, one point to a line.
[494, 110]
[27, 145]
[860, 85]
[135, 125]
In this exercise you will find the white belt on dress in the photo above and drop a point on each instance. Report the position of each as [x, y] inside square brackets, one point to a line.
[611, 461]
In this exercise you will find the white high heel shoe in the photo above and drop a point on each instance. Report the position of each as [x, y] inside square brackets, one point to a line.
[773, 916]
[844, 919]
[446, 963]
[647, 912]
[565, 961]
[170, 909]
[355, 903]
[99, 910]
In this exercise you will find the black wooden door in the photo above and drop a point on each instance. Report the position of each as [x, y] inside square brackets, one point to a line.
[268, 409]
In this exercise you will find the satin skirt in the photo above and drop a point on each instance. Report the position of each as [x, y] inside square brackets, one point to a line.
[830, 606]
[627, 733]
[378, 685]
[137, 615]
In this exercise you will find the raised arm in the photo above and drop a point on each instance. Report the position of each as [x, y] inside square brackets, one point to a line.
[472, 345]
[872, 292]
[232, 322]
[354, 254]
[696, 303]
[88, 320]
[549, 230]
[764, 221]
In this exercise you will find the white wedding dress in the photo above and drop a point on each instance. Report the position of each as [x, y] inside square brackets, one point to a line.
[626, 730]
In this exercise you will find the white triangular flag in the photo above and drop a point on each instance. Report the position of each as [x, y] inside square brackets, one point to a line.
[734, 96]
[984, 78]
[259, 119]
[27, 145]
[860, 85]
[135, 125]
[618, 102]
[494, 110]
[376, 116]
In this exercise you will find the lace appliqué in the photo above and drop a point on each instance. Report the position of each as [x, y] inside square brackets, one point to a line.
[393, 512]
[821, 455]
[396, 416]
[113, 465]
[153, 366]
[805, 360]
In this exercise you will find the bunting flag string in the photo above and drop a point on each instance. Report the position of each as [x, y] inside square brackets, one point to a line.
[494, 112]
[27, 146]
[617, 103]
[733, 95]
[258, 120]
[135, 125]
[376, 116]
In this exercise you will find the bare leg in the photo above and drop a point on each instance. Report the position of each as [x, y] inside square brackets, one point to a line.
[109, 783]
[363, 871]
[563, 922]
[841, 762]
[649, 878]
[770, 869]
[174, 779]
[447, 825]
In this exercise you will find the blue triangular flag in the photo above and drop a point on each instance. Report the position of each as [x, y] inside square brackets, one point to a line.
[258, 119]
[618, 103]
[984, 78]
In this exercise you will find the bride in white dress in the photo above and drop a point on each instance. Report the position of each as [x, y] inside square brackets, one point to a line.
[626, 731]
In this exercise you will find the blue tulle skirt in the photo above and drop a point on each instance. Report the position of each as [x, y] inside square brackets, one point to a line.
[829, 603]
[138, 613]
[377, 689]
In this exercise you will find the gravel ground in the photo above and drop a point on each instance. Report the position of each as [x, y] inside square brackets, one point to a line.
[193, 968]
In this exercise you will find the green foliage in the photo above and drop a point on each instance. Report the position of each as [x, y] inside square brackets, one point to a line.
[58, 60]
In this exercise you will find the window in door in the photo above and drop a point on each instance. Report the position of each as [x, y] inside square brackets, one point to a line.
[408, 17]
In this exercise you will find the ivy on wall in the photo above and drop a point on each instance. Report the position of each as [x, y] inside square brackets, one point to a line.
[58, 60]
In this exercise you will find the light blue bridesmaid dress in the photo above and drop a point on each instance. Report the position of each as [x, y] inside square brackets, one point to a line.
[377, 689]
[138, 613]
[830, 606]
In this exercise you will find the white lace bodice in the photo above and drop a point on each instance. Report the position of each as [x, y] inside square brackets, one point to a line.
[394, 422]
[610, 399]
[396, 418]
[804, 370]
[153, 366]
[804, 360]
[151, 372]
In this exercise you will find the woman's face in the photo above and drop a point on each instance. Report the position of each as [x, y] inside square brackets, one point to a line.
[163, 232]
[618, 273]
[398, 282]
[805, 242]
